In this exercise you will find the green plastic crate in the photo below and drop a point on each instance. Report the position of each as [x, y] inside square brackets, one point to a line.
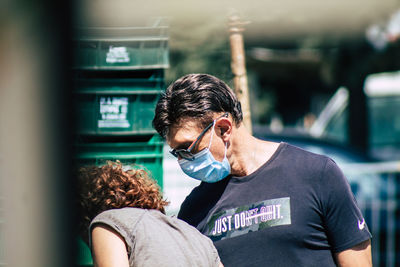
[146, 155]
[84, 255]
[124, 48]
[139, 82]
[108, 112]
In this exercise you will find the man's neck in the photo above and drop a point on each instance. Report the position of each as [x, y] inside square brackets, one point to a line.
[249, 153]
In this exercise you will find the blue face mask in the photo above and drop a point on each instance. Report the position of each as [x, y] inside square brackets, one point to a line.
[204, 167]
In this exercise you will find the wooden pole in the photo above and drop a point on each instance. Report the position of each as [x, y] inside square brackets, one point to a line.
[238, 66]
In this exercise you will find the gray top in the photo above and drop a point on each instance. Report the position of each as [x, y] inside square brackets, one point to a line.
[154, 239]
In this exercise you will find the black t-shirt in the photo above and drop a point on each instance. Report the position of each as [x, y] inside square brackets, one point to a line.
[295, 210]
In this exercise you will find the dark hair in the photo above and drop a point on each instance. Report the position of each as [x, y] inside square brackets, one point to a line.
[195, 96]
[110, 187]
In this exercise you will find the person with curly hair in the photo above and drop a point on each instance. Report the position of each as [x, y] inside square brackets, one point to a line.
[123, 220]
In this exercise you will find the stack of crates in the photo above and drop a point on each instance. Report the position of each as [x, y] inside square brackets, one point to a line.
[118, 77]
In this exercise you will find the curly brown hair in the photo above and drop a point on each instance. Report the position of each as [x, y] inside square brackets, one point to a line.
[110, 187]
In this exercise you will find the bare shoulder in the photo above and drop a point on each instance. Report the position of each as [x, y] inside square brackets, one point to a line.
[102, 231]
[108, 247]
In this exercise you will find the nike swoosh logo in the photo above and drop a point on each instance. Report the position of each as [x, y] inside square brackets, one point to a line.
[361, 224]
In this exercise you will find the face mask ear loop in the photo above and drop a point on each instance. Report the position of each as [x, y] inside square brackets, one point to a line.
[226, 148]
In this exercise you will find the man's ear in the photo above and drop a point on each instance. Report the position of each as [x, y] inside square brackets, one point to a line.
[224, 128]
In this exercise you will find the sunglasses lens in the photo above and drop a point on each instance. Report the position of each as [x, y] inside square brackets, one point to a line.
[173, 152]
[185, 154]
[182, 154]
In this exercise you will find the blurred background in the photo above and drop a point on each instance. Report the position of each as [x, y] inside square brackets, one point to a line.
[79, 82]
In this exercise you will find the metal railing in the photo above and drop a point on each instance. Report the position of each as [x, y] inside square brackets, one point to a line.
[380, 207]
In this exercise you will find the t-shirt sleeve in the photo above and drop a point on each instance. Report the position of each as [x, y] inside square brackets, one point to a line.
[343, 219]
[114, 219]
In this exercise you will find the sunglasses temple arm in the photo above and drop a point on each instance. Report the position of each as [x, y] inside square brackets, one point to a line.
[199, 137]
[226, 114]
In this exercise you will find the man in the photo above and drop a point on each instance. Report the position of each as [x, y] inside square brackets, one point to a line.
[262, 203]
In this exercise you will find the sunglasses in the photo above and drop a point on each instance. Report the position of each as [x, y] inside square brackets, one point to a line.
[187, 153]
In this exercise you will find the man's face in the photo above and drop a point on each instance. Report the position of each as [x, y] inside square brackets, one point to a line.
[183, 135]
